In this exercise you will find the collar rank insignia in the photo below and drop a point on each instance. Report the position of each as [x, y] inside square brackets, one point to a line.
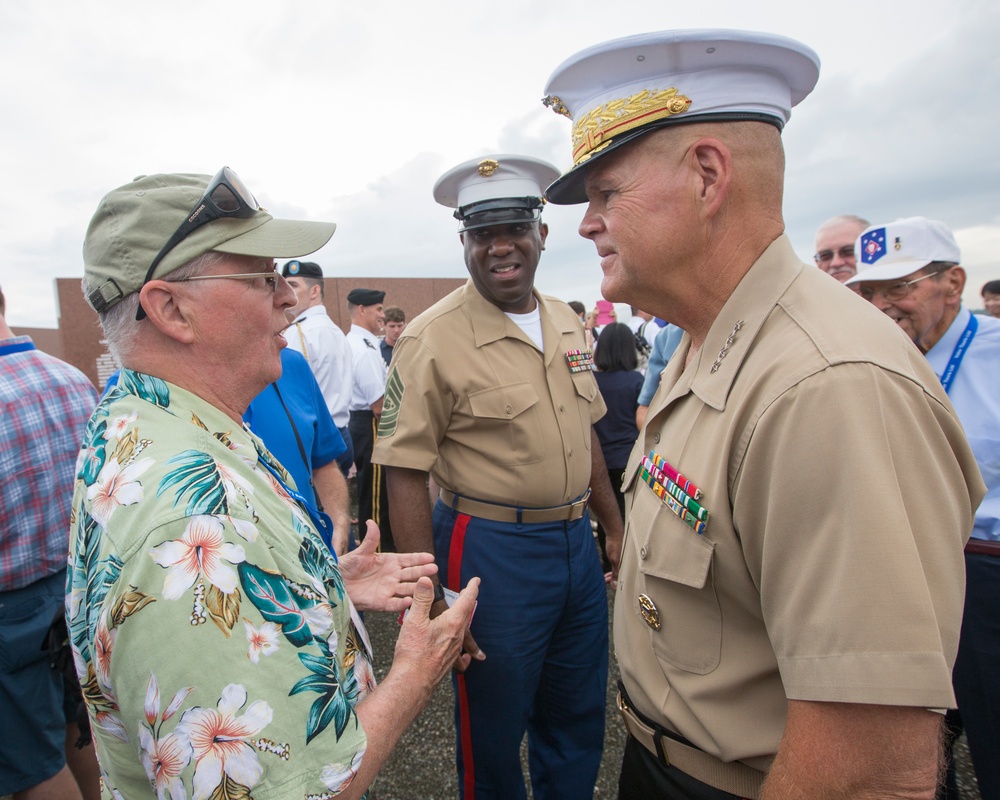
[726, 346]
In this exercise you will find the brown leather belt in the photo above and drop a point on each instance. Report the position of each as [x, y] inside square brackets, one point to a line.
[728, 776]
[491, 511]
[983, 547]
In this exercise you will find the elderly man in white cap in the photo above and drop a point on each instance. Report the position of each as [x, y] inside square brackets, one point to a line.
[910, 271]
[491, 391]
[790, 587]
[215, 635]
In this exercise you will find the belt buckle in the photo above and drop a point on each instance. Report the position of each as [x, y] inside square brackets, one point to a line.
[580, 504]
[623, 709]
[630, 722]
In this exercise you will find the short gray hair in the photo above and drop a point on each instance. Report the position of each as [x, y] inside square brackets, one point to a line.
[118, 322]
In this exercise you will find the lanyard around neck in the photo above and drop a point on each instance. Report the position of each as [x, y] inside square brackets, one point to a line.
[17, 347]
[950, 371]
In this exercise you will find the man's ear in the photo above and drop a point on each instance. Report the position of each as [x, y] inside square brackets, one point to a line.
[543, 232]
[167, 308]
[712, 164]
[956, 281]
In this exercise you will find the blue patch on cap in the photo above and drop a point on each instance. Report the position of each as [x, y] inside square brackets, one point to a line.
[293, 267]
[873, 246]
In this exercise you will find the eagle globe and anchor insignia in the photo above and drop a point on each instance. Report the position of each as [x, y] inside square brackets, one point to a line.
[649, 612]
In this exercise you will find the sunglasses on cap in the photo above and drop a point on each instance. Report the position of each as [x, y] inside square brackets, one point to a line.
[226, 196]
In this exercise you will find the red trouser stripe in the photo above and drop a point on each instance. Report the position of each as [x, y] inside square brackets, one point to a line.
[455, 583]
[376, 475]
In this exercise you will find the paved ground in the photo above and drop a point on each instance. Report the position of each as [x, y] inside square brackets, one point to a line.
[423, 766]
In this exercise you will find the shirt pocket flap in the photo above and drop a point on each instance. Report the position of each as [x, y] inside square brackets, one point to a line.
[586, 386]
[687, 562]
[669, 548]
[503, 402]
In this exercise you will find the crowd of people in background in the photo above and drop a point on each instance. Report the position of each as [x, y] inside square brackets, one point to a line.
[183, 573]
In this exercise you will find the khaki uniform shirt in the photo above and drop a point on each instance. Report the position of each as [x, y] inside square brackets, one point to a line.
[840, 490]
[473, 401]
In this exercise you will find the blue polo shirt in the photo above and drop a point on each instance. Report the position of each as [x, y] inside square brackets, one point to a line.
[321, 440]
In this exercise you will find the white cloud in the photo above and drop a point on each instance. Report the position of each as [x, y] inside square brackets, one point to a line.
[351, 111]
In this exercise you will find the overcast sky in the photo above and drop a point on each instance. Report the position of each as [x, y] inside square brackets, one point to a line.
[350, 111]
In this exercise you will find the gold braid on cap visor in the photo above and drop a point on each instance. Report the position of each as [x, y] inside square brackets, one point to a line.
[595, 130]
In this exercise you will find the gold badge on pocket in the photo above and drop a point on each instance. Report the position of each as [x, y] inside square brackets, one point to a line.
[649, 613]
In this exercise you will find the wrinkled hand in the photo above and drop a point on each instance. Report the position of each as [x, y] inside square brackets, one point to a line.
[470, 648]
[382, 581]
[429, 646]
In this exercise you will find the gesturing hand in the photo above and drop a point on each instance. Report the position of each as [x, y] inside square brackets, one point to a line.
[432, 646]
[382, 581]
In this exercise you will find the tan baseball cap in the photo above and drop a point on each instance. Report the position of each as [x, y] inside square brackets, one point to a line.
[134, 222]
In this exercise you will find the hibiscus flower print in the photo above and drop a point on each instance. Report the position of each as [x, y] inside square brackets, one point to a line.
[116, 486]
[164, 757]
[221, 741]
[337, 777]
[118, 426]
[104, 643]
[263, 640]
[364, 675]
[164, 760]
[238, 488]
[200, 552]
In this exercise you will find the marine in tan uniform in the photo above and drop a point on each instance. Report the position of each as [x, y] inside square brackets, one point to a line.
[791, 583]
[491, 392]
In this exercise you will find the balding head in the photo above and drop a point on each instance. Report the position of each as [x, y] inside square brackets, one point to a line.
[834, 253]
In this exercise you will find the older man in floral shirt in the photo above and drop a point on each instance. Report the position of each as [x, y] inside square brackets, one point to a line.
[214, 635]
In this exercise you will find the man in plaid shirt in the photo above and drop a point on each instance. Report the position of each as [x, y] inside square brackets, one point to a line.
[44, 407]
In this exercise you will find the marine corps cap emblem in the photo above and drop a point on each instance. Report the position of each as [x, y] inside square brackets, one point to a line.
[488, 166]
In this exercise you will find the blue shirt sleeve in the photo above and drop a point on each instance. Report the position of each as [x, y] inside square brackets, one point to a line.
[663, 347]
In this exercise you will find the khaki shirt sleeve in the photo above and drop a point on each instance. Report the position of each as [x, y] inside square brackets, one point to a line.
[853, 529]
[416, 409]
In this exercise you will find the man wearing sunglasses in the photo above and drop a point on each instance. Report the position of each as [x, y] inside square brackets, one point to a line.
[215, 636]
[835, 245]
[910, 270]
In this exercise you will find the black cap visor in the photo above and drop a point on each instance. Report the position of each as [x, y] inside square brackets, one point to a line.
[499, 211]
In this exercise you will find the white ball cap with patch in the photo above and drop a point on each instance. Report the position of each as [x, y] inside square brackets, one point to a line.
[897, 249]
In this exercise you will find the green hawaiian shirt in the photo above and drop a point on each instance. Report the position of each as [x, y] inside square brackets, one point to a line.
[218, 652]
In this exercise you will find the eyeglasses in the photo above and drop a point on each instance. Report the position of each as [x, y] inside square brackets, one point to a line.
[826, 256]
[895, 292]
[226, 196]
[270, 278]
